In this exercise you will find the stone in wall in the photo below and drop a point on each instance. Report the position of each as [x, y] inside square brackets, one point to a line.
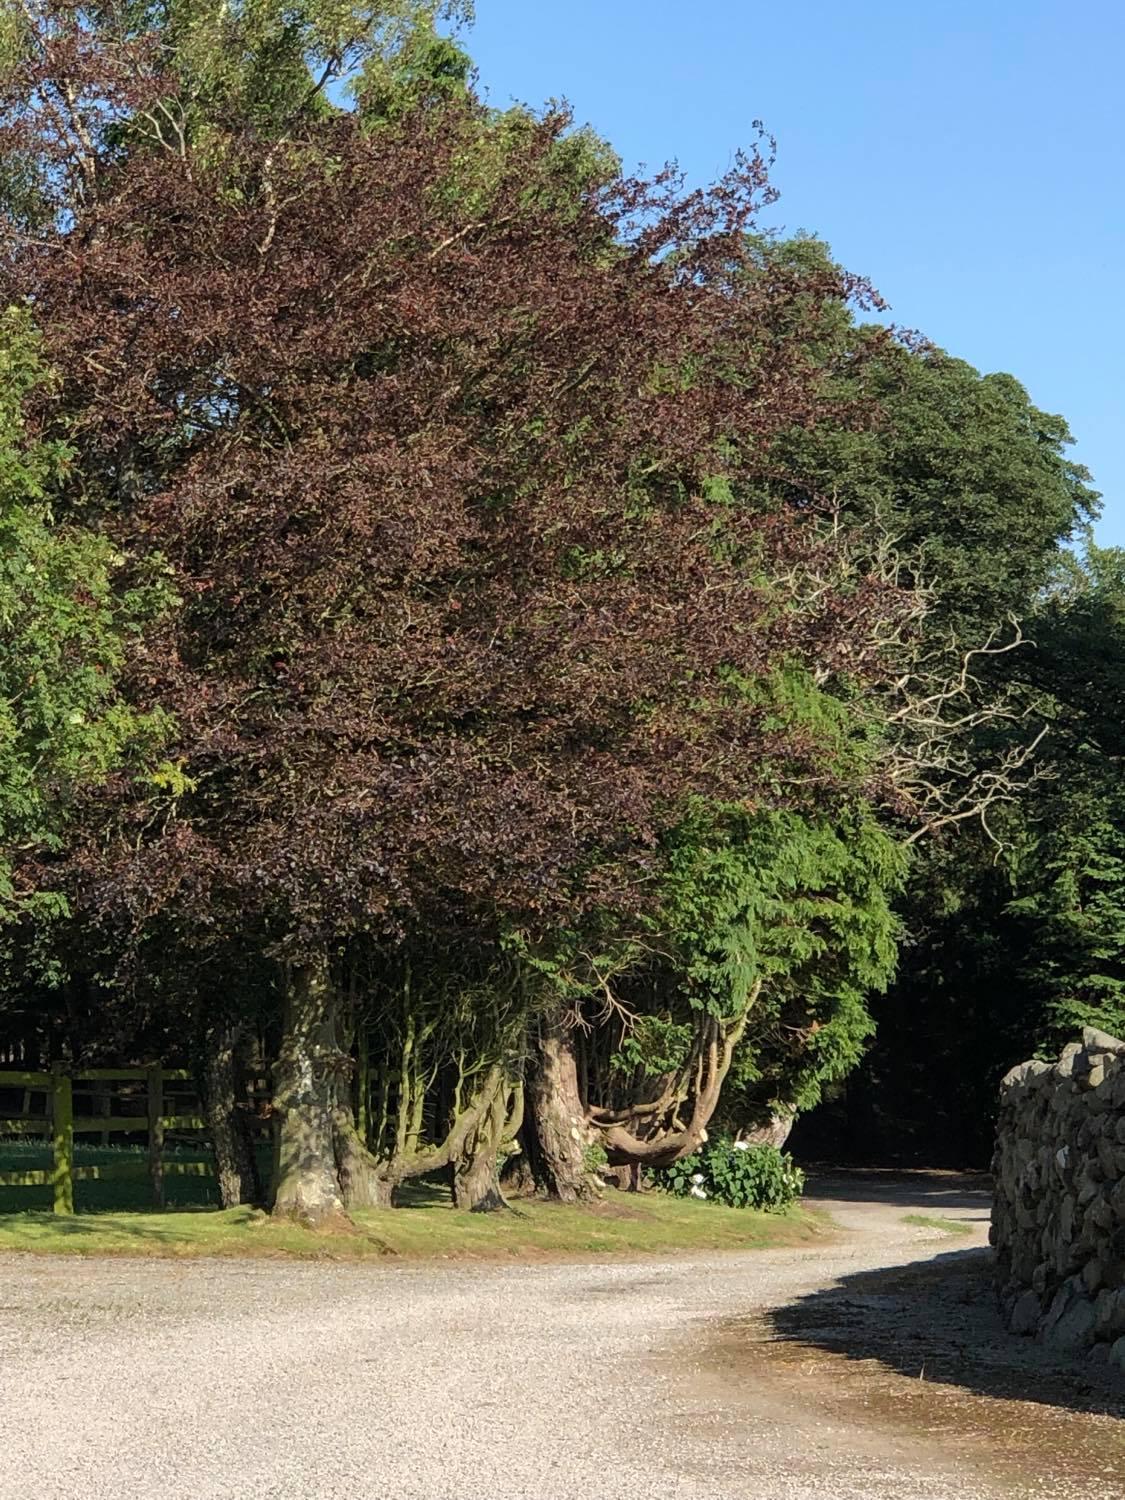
[1058, 1215]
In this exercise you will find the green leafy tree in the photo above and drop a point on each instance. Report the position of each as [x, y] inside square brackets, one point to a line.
[966, 491]
[1070, 878]
[968, 479]
[64, 626]
[1014, 947]
[744, 993]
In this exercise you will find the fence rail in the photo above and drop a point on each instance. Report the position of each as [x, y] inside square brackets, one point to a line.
[61, 1126]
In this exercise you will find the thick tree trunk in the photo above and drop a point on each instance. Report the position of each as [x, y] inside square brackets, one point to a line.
[561, 1132]
[307, 1185]
[517, 1180]
[362, 1183]
[773, 1131]
[476, 1184]
[224, 1103]
[476, 1169]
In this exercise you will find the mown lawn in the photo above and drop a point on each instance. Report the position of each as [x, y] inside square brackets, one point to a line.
[112, 1220]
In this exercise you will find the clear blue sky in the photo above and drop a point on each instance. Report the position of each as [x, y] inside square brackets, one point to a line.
[966, 155]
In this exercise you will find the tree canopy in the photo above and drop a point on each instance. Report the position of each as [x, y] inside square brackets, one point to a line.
[485, 629]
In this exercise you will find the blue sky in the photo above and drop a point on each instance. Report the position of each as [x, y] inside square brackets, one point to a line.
[966, 155]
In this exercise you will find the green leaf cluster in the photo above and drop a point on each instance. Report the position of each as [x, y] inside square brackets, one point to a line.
[65, 620]
[737, 1175]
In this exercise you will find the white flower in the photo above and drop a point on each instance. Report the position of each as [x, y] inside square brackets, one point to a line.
[698, 1192]
[742, 1145]
[697, 1178]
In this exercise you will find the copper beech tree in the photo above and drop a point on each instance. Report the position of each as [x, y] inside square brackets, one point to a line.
[444, 463]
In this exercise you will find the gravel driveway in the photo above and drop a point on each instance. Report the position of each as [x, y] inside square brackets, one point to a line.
[771, 1374]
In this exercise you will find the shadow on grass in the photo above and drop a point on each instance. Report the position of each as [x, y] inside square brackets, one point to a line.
[937, 1320]
[422, 1192]
[29, 1228]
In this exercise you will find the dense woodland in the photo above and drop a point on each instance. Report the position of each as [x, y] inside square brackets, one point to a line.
[520, 651]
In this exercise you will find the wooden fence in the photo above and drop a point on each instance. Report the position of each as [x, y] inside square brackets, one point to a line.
[161, 1088]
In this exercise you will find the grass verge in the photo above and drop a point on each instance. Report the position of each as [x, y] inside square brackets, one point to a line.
[537, 1231]
[943, 1226]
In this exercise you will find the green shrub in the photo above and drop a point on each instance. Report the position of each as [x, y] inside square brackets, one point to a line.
[594, 1157]
[736, 1174]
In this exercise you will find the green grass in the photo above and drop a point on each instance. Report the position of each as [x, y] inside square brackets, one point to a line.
[539, 1231]
[112, 1219]
[944, 1226]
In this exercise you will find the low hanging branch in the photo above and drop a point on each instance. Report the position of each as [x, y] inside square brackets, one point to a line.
[583, 1099]
[448, 1090]
[657, 1132]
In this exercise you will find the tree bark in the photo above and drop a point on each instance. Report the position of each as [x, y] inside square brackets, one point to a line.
[773, 1131]
[476, 1184]
[561, 1131]
[476, 1169]
[224, 1104]
[517, 1180]
[307, 1185]
[362, 1183]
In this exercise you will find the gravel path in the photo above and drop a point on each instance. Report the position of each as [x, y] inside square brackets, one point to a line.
[772, 1375]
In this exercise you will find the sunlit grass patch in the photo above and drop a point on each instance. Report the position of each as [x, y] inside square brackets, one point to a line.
[623, 1225]
[942, 1226]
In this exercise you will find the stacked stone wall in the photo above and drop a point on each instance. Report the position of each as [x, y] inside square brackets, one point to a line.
[1058, 1217]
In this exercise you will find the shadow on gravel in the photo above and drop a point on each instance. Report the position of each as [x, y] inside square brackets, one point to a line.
[927, 1192]
[936, 1321]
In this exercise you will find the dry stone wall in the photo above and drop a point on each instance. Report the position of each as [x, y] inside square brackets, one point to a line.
[1058, 1217]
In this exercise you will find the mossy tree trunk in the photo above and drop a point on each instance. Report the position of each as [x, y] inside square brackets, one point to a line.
[364, 1181]
[772, 1130]
[561, 1132]
[306, 1182]
[476, 1169]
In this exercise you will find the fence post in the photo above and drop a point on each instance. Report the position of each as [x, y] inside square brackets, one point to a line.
[103, 1105]
[62, 1140]
[156, 1133]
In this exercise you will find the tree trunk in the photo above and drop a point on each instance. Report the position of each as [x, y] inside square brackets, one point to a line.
[476, 1168]
[773, 1131]
[648, 1141]
[561, 1132]
[306, 1183]
[476, 1184]
[231, 1139]
[362, 1184]
[517, 1180]
[626, 1179]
